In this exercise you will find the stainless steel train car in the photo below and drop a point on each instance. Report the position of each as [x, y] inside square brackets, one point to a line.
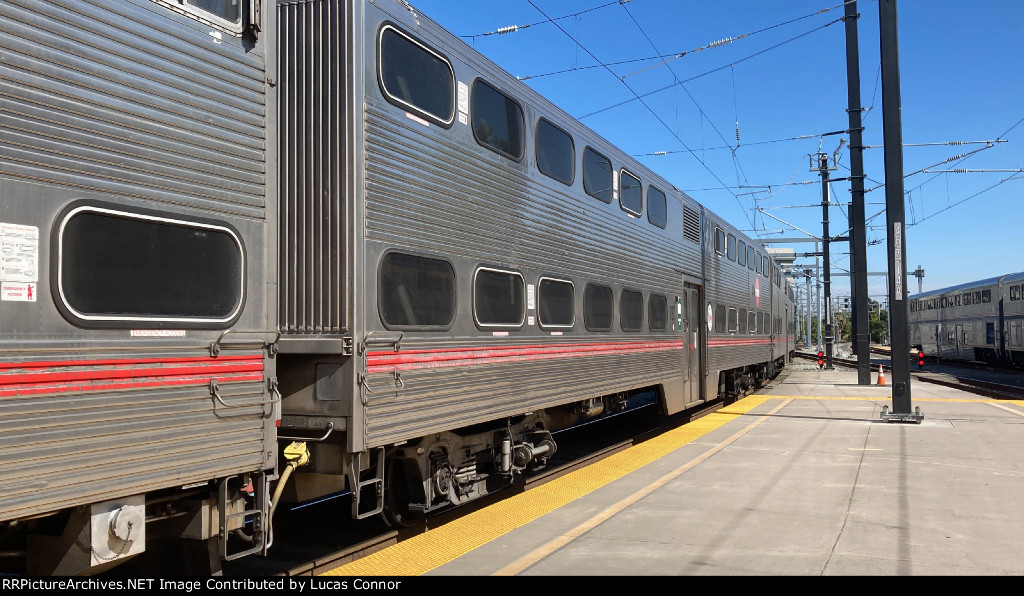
[977, 321]
[136, 190]
[466, 269]
[257, 253]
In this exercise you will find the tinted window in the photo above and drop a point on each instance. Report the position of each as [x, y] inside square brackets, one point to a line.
[751, 258]
[732, 320]
[597, 308]
[556, 155]
[498, 298]
[555, 303]
[597, 175]
[760, 322]
[657, 207]
[416, 291]
[742, 320]
[719, 241]
[720, 319]
[631, 310]
[119, 266]
[730, 248]
[741, 253]
[226, 9]
[631, 193]
[497, 120]
[416, 78]
[657, 312]
[752, 321]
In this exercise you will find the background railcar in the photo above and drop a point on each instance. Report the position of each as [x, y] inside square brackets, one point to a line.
[136, 170]
[978, 321]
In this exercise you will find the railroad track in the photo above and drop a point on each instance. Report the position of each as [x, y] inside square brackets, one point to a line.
[339, 540]
[973, 385]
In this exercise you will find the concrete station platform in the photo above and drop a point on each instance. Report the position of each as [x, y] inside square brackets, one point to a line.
[802, 478]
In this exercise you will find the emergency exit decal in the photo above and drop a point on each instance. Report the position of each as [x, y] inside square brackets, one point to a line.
[19, 262]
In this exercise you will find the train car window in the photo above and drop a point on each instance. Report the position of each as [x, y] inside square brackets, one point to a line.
[657, 207]
[223, 13]
[597, 175]
[959, 299]
[732, 319]
[416, 291]
[764, 266]
[990, 333]
[631, 310]
[760, 322]
[719, 319]
[986, 296]
[497, 120]
[751, 257]
[116, 268]
[741, 253]
[757, 262]
[556, 153]
[742, 320]
[555, 303]
[657, 312]
[597, 307]
[730, 247]
[631, 193]
[1014, 292]
[977, 297]
[752, 321]
[415, 77]
[719, 241]
[499, 298]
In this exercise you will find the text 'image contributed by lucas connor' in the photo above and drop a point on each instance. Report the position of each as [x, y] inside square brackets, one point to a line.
[289, 585]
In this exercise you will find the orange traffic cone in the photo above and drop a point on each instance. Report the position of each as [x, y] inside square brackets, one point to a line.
[881, 375]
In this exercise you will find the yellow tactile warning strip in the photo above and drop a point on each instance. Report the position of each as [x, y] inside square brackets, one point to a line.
[424, 552]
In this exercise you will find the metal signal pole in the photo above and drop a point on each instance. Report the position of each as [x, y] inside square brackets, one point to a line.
[892, 134]
[861, 334]
[827, 310]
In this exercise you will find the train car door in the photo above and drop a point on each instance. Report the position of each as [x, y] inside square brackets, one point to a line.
[696, 338]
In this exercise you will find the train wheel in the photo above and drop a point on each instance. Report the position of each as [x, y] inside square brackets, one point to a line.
[402, 486]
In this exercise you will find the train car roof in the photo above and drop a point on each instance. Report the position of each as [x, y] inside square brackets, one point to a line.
[1009, 277]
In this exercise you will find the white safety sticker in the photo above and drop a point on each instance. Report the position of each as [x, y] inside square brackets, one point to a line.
[530, 297]
[19, 253]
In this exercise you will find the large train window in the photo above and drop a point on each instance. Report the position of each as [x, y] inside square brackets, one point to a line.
[497, 120]
[742, 320]
[631, 193]
[116, 268]
[764, 266]
[719, 241]
[597, 175]
[555, 303]
[631, 310]
[719, 319]
[751, 257]
[730, 247]
[741, 253]
[986, 296]
[556, 153]
[757, 262]
[732, 320]
[657, 207]
[760, 322]
[597, 308]
[752, 322]
[499, 298]
[416, 291]
[415, 77]
[657, 312]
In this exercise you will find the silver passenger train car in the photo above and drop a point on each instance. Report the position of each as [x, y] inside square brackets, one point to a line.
[136, 193]
[976, 321]
[256, 254]
[466, 269]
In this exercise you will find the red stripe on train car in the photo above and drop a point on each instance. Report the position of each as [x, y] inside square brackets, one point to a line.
[413, 359]
[33, 378]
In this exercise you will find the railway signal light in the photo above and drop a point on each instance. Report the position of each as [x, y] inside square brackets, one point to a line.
[920, 359]
[821, 359]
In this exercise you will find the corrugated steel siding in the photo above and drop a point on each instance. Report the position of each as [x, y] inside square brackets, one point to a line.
[313, 104]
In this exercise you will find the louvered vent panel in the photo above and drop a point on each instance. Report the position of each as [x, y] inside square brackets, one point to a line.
[691, 224]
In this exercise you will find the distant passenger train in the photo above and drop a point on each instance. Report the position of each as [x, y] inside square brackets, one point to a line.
[980, 320]
[258, 254]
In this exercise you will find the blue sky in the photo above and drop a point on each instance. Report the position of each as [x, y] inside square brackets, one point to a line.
[782, 86]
